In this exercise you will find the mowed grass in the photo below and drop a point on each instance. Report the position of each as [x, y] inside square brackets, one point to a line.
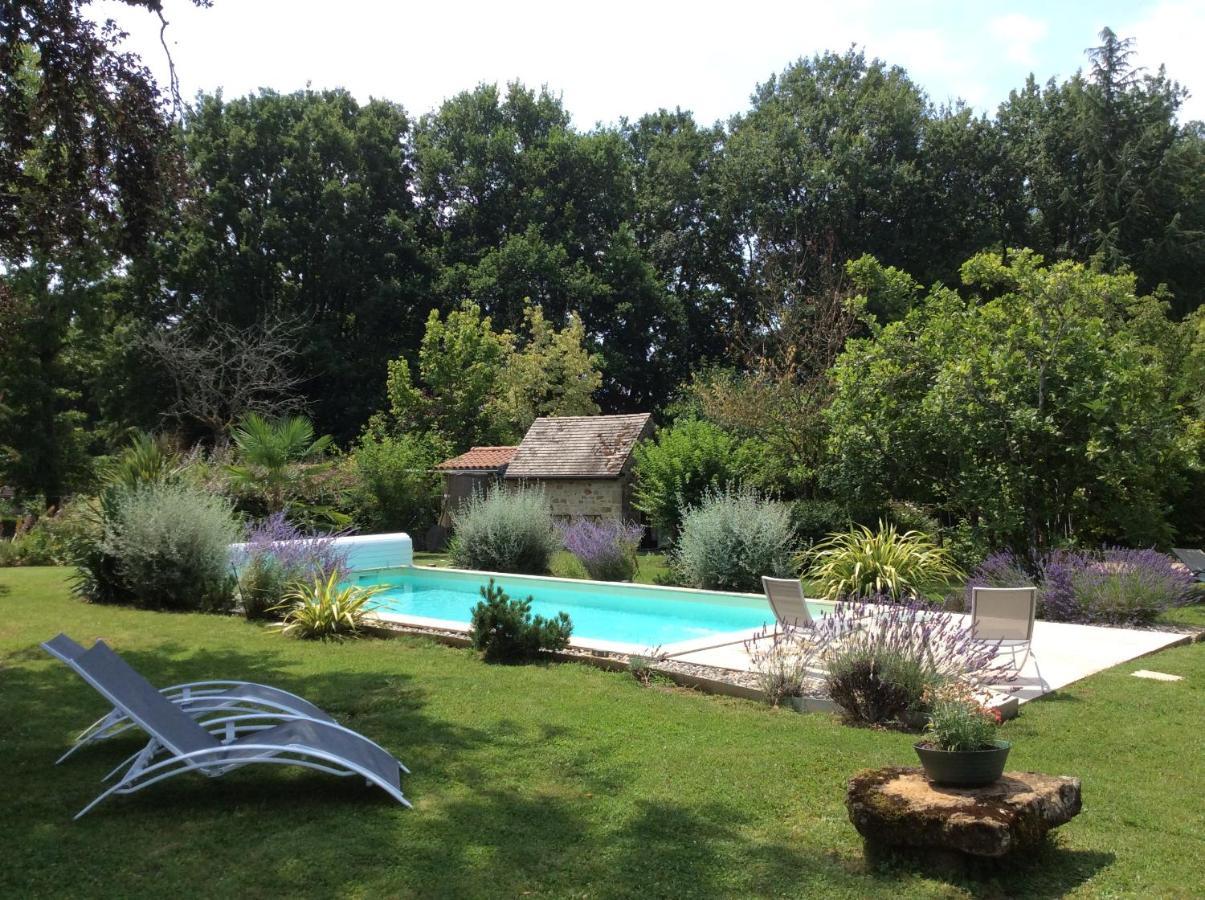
[549, 780]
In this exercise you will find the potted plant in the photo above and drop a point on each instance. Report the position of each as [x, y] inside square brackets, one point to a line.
[960, 746]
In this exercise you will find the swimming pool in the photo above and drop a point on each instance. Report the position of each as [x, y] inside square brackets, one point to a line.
[630, 614]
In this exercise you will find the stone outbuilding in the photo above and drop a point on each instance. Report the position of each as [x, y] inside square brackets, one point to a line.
[583, 463]
[473, 472]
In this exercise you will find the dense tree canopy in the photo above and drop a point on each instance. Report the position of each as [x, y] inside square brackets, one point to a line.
[444, 279]
[1043, 406]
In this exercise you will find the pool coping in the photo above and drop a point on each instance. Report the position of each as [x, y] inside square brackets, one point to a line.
[676, 648]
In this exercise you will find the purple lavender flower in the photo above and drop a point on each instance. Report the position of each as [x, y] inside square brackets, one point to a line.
[1113, 586]
[1003, 569]
[295, 553]
[605, 547]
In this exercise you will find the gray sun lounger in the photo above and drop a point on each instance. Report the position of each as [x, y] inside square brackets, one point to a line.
[180, 744]
[202, 700]
[1194, 560]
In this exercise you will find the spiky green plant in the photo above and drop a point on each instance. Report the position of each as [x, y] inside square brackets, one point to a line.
[146, 460]
[863, 563]
[275, 457]
[325, 610]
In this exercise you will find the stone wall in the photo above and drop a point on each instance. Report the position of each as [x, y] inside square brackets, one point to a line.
[603, 498]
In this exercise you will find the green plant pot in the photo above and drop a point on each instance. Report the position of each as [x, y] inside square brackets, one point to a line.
[963, 768]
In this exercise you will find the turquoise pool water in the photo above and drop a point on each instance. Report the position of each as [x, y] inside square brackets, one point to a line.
[628, 613]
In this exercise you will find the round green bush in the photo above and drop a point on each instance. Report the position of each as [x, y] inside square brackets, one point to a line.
[505, 531]
[171, 545]
[731, 539]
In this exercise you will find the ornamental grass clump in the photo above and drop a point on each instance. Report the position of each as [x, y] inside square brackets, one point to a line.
[504, 630]
[887, 563]
[505, 530]
[278, 553]
[881, 658]
[606, 548]
[325, 610]
[733, 538]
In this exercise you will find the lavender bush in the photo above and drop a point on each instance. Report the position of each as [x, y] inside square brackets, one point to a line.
[881, 657]
[1113, 586]
[999, 570]
[605, 547]
[278, 554]
[783, 661]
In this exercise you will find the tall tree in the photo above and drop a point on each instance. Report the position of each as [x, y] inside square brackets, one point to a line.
[302, 209]
[528, 209]
[1047, 405]
[85, 132]
[1110, 174]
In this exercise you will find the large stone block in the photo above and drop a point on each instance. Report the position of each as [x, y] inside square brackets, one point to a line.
[898, 807]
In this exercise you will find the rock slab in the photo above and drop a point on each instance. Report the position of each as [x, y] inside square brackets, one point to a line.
[898, 807]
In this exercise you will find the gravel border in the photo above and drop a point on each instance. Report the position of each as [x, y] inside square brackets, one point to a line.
[746, 681]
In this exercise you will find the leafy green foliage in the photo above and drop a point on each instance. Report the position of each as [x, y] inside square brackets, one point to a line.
[395, 487]
[302, 210]
[479, 386]
[171, 547]
[324, 609]
[505, 530]
[886, 562]
[1046, 408]
[145, 460]
[279, 463]
[733, 537]
[504, 630]
[685, 461]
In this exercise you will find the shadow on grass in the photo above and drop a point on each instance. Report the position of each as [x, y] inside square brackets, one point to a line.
[1048, 872]
[512, 807]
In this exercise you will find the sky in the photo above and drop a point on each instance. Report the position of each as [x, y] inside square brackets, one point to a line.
[621, 58]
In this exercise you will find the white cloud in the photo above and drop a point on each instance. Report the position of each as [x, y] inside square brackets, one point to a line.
[1170, 33]
[1019, 34]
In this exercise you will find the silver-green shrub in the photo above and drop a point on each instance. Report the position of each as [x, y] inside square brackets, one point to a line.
[171, 546]
[506, 530]
[732, 538]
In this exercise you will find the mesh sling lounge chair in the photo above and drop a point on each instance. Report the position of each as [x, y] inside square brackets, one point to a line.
[1194, 560]
[1005, 616]
[786, 599]
[200, 699]
[179, 744]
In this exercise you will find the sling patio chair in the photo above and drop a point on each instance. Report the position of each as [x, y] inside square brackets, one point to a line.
[200, 699]
[180, 744]
[1005, 616]
[1193, 560]
[785, 596]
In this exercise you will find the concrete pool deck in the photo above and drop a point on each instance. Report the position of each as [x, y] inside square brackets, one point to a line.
[1061, 654]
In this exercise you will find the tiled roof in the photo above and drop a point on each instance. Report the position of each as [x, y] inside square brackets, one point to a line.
[578, 446]
[480, 458]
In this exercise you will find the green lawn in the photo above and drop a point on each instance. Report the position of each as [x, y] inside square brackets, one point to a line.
[558, 780]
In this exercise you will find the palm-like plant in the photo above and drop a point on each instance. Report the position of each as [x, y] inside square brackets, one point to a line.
[271, 454]
[325, 610]
[146, 460]
[862, 563]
